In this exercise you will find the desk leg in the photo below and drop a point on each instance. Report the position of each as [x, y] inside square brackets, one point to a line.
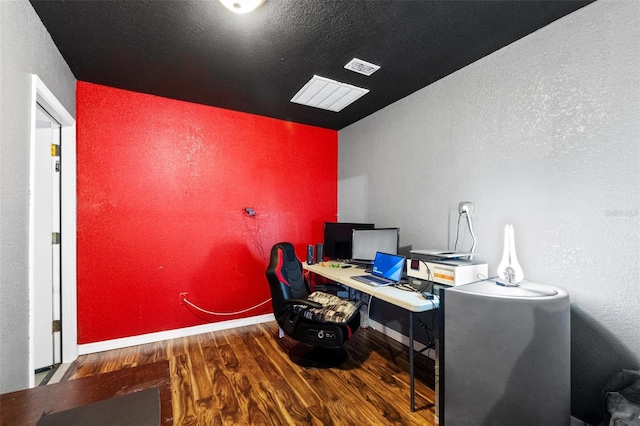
[411, 356]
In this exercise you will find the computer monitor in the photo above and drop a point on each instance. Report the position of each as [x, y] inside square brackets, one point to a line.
[367, 242]
[337, 238]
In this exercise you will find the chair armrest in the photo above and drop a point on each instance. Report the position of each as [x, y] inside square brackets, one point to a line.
[303, 302]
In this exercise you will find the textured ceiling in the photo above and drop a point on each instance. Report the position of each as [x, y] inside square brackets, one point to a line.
[198, 51]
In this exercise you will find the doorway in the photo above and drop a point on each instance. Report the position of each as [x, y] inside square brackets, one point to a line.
[49, 262]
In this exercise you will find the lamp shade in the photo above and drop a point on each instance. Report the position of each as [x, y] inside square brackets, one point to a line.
[509, 269]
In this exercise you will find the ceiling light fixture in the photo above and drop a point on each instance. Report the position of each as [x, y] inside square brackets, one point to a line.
[324, 93]
[241, 6]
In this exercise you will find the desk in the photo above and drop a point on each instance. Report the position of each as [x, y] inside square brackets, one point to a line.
[413, 302]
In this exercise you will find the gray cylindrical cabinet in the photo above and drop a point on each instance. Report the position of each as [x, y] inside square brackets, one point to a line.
[505, 355]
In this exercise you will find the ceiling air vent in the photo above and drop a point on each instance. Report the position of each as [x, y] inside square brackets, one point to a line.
[362, 67]
[324, 93]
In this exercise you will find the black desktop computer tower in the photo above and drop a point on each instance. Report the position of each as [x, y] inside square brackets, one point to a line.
[319, 252]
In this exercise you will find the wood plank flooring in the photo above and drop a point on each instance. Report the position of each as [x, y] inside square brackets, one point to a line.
[243, 376]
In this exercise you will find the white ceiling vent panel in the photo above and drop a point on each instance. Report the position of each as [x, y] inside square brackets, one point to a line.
[324, 93]
[362, 67]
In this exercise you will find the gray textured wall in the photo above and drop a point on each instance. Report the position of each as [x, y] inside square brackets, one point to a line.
[543, 134]
[26, 48]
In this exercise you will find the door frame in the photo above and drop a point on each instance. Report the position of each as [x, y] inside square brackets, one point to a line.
[41, 95]
[47, 293]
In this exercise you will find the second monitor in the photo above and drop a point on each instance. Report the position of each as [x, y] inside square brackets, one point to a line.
[367, 242]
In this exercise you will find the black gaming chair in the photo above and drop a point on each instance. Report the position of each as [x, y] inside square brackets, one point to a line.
[320, 322]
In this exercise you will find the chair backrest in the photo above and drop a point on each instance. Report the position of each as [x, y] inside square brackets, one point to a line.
[285, 277]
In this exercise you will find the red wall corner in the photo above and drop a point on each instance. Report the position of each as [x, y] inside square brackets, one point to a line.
[161, 189]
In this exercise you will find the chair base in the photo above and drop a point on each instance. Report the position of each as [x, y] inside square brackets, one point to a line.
[317, 357]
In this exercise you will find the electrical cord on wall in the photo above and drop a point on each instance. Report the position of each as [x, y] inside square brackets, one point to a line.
[470, 224]
[254, 233]
[455, 245]
[184, 299]
[473, 235]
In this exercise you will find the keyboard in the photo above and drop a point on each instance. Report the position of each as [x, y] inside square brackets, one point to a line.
[371, 280]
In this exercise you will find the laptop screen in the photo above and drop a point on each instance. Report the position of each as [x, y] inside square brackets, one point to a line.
[388, 266]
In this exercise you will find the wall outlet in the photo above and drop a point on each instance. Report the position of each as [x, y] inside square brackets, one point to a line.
[183, 295]
[466, 207]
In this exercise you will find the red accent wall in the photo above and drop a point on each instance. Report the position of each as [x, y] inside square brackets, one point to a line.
[161, 189]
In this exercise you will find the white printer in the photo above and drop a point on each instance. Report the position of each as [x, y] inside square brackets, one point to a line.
[445, 267]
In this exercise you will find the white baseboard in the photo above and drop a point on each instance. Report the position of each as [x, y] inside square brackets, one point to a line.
[399, 337]
[142, 339]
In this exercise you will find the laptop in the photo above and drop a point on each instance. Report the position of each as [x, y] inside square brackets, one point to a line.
[387, 270]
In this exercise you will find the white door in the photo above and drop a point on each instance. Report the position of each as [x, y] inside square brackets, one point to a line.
[47, 290]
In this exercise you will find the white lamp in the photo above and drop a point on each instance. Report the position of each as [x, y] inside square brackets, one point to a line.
[509, 270]
[241, 6]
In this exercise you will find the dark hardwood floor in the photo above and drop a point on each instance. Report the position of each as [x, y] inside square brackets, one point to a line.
[27, 407]
[244, 376]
